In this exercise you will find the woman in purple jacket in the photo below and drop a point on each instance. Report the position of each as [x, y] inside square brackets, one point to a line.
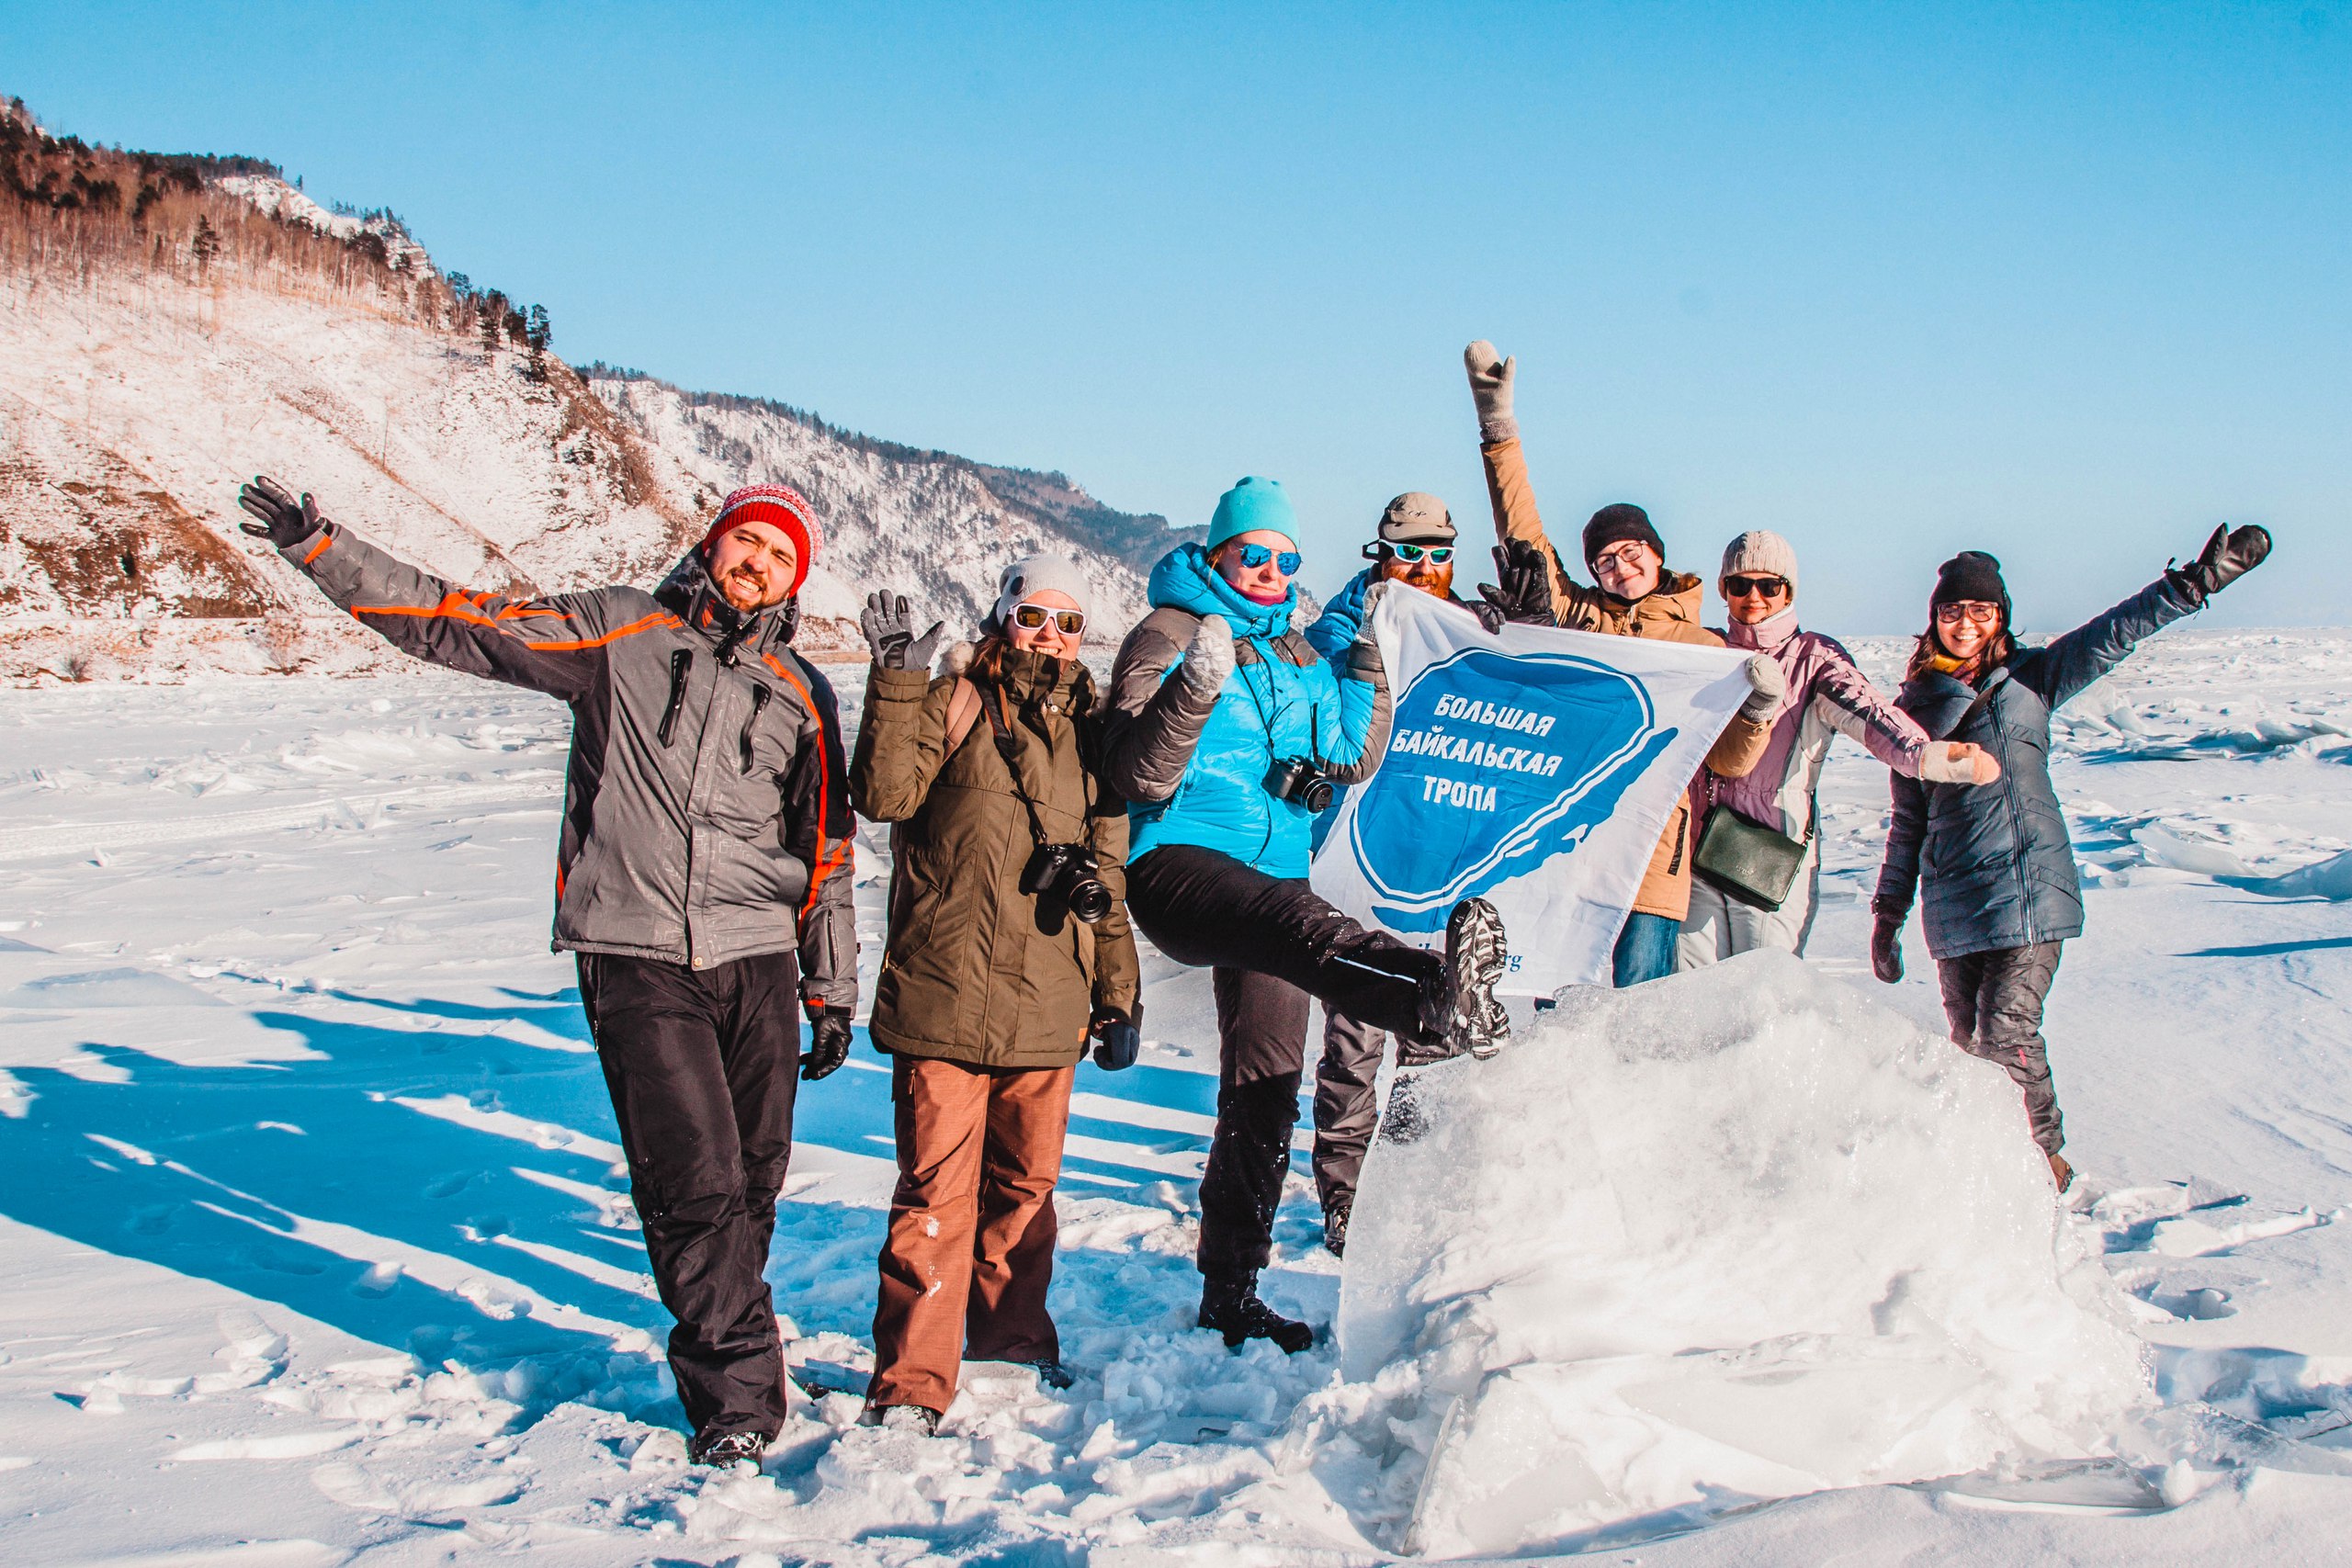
[1826, 695]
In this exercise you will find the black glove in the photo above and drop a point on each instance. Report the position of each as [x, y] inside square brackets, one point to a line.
[1886, 941]
[284, 521]
[2229, 555]
[889, 627]
[1525, 595]
[1117, 1039]
[827, 1043]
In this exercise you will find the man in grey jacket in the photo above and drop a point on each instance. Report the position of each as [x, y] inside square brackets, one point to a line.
[702, 878]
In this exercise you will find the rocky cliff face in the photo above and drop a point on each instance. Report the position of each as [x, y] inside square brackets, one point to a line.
[170, 325]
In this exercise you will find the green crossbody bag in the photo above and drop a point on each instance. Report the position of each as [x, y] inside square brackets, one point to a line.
[1746, 861]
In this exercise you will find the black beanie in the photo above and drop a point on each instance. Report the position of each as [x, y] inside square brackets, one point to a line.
[1615, 524]
[1971, 575]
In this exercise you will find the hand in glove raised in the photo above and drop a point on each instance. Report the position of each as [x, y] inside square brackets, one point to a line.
[1886, 943]
[1209, 658]
[1766, 686]
[827, 1043]
[1491, 376]
[284, 522]
[1525, 594]
[1959, 762]
[2229, 555]
[889, 627]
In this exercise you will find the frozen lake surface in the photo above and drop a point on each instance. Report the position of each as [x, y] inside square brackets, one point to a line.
[318, 1251]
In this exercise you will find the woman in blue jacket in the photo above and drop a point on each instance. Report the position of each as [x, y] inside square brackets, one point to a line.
[1993, 862]
[1228, 731]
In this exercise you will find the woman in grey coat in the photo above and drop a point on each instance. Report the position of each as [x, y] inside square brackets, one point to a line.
[1993, 863]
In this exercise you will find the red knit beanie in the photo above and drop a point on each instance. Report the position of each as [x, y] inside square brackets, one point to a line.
[778, 506]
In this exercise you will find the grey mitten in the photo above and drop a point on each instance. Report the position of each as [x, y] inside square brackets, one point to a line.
[1373, 594]
[1766, 686]
[1490, 388]
[888, 624]
[284, 522]
[1209, 658]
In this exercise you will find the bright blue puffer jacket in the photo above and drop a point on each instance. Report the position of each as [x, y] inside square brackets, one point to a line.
[1194, 772]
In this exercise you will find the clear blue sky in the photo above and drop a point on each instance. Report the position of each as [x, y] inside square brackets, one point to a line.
[2068, 282]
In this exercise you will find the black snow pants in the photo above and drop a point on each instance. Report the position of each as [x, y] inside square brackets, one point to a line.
[1993, 1000]
[1272, 945]
[1347, 1103]
[701, 1064]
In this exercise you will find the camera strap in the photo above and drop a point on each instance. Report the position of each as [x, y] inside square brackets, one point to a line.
[1007, 748]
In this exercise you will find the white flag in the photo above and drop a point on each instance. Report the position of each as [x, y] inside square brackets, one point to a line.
[1535, 768]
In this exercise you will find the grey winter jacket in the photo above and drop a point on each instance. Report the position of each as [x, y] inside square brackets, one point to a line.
[1992, 862]
[706, 813]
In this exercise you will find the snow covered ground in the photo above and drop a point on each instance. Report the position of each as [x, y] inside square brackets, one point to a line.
[317, 1252]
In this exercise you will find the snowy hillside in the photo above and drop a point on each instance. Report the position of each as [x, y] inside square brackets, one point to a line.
[319, 1253]
[170, 326]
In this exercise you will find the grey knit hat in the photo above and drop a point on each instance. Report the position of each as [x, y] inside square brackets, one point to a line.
[1039, 574]
[1416, 517]
[1760, 552]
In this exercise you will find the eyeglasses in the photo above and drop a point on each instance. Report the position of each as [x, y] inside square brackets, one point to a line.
[1976, 610]
[1029, 617]
[1742, 586]
[1436, 555]
[1288, 563]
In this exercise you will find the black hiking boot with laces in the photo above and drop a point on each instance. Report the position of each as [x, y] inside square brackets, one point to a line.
[1229, 1304]
[719, 1449]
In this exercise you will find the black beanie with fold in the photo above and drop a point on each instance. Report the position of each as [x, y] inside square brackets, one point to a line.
[1616, 523]
[1971, 576]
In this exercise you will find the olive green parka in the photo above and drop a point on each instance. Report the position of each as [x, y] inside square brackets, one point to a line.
[975, 970]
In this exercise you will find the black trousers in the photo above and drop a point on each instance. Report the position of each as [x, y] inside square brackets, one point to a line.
[701, 1064]
[1994, 1001]
[1271, 944]
[1347, 1103]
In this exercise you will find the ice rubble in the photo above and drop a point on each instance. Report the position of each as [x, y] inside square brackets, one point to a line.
[1740, 1234]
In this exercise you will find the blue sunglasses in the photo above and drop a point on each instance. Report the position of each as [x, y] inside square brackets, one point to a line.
[1288, 563]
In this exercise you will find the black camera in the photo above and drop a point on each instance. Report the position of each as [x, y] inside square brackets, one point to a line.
[1303, 782]
[1069, 873]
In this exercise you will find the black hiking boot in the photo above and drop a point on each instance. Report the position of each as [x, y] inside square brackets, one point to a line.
[921, 1419]
[1050, 1372]
[1231, 1306]
[719, 1449]
[1335, 1224]
[1465, 1015]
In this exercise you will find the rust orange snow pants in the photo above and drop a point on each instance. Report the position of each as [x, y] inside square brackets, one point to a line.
[970, 1248]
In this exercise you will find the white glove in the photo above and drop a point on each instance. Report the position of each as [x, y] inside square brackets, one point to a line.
[1373, 594]
[1491, 376]
[1958, 761]
[1765, 687]
[1209, 658]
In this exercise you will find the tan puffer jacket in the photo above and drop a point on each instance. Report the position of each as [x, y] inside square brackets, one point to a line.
[975, 969]
[1670, 613]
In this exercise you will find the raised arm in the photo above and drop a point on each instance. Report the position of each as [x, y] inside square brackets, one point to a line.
[2072, 663]
[554, 645]
[1517, 523]
[901, 744]
[1162, 692]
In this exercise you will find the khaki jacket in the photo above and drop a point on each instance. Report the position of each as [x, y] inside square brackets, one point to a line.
[1670, 613]
[975, 970]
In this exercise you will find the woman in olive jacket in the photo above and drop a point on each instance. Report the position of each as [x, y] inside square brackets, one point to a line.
[988, 991]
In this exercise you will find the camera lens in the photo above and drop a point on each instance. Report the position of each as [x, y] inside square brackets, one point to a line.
[1088, 900]
[1314, 791]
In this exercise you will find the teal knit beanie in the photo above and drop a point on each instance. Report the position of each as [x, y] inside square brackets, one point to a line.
[1250, 506]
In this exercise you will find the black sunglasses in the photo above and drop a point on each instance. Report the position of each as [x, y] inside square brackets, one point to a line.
[1741, 587]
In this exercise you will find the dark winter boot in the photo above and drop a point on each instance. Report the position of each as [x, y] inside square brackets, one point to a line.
[1229, 1304]
[1465, 1014]
[719, 1449]
[1335, 1224]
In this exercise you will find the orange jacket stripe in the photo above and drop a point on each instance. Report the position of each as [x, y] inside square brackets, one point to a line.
[828, 860]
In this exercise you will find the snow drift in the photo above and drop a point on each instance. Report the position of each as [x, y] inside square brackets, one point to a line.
[1738, 1235]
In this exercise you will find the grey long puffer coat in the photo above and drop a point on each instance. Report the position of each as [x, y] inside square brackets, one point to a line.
[1992, 862]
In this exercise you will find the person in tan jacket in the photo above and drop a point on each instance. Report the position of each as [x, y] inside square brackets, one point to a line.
[1635, 595]
[1009, 949]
